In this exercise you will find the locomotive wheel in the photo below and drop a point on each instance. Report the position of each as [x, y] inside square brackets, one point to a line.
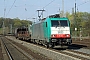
[51, 45]
[47, 45]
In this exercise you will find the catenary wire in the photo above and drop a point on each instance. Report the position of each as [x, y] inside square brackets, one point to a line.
[46, 6]
[80, 4]
[11, 7]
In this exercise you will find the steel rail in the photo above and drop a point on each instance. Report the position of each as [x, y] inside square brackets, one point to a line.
[28, 56]
[8, 53]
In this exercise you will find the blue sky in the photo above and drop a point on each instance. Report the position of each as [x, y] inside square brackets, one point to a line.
[27, 9]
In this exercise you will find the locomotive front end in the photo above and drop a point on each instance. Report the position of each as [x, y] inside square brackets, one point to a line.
[60, 32]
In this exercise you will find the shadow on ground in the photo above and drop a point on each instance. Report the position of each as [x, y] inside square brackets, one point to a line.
[72, 47]
[76, 46]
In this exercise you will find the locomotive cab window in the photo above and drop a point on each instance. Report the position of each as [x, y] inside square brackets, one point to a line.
[57, 23]
[54, 23]
[64, 23]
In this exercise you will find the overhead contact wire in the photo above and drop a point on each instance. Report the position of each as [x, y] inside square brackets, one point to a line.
[11, 7]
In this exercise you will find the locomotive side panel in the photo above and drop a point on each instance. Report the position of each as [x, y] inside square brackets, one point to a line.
[37, 31]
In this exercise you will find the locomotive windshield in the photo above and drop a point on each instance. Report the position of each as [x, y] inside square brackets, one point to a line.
[57, 23]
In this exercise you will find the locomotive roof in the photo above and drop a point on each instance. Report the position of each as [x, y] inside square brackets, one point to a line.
[50, 18]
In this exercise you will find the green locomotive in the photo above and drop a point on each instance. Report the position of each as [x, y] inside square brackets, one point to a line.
[52, 32]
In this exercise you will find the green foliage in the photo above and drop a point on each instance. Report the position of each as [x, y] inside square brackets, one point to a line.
[16, 22]
[82, 22]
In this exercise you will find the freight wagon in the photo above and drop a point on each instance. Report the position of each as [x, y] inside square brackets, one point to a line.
[23, 33]
[52, 32]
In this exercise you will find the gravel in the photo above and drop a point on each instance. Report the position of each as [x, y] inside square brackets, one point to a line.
[51, 54]
[84, 45]
[1, 54]
[84, 50]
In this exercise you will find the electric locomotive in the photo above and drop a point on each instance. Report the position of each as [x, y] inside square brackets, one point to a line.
[52, 32]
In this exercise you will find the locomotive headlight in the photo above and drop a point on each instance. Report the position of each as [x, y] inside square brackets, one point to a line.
[67, 35]
[52, 35]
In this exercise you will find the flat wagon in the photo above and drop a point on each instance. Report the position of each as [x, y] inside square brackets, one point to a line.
[23, 33]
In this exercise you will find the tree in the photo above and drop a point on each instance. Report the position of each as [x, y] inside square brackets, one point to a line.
[17, 23]
[82, 21]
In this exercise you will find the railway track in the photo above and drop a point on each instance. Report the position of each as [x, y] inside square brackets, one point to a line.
[76, 54]
[57, 54]
[13, 52]
[72, 53]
